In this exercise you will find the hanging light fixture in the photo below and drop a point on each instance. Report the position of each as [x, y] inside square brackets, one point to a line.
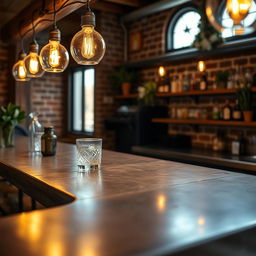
[88, 46]
[54, 56]
[19, 70]
[237, 11]
[32, 62]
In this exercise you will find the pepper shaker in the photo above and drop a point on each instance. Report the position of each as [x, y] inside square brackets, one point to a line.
[48, 142]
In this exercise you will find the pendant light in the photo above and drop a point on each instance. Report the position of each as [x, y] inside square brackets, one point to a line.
[87, 46]
[237, 11]
[19, 70]
[54, 56]
[32, 62]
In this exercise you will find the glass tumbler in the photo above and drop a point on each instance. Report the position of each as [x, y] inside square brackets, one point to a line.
[89, 152]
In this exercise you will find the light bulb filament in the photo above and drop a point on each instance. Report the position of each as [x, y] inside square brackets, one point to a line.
[54, 57]
[33, 65]
[88, 45]
[22, 71]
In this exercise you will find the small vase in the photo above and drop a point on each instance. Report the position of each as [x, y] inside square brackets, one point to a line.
[8, 136]
[126, 87]
[248, 116]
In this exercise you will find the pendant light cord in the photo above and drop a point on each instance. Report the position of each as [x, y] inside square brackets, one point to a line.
[33, 25]
[54, 14]
[88, 5]
[64, 5]
[21, 37]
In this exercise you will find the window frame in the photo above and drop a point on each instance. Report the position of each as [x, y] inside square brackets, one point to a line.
[171, 25]
[71, 101]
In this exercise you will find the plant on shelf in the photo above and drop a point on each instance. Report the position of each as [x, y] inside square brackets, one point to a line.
[245, 102]
[207, 38]
[221, 79]
[146, 93]
[124, 78]
[10, 116]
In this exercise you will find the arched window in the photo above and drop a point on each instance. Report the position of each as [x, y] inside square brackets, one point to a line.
[183, 28]
[228, 22]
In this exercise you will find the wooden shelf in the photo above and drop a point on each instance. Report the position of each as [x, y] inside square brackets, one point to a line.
[203, 122]
[188, 93]
[199, 92]
[129, 96]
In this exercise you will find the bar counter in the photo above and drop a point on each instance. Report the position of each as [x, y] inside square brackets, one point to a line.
[134, 206]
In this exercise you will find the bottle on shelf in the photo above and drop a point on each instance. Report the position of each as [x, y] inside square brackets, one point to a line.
[231, 82]
[193, 82]
[227, 111]
[180, 83]
[215, 113]
[218, 142]
[186, 82]
[237, 113]
[237, 78]
[174, 84]
[248, 78]
[203, 82]
[238, 145]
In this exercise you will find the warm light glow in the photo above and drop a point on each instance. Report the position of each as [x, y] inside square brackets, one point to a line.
[238, 9]
[161, 71]
[54, 57]
[88, 45]
[201, 221]
[161, 203]
[22, 73]
[33, 64]
[201, 66]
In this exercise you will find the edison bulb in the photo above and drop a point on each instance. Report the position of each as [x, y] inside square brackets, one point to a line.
[201, 66]
[19, 70]
[161, 71]
[238, 9]
[88, 46]
[32, 62]
[54, 57]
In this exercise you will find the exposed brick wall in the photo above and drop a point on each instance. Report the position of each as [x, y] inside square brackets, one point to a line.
[153, 29]
[109, 26]
[48, 98]
[4, 70]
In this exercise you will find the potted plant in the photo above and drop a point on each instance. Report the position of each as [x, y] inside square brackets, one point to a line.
[9, 117]
[221, 79]
[245, 102]
[124, 78]
[146, 93]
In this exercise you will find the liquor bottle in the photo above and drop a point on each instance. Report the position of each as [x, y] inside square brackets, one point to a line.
[237, 113]
[186, 83]
[215, 113]
[203, 82]
[226, 112]
[193, 82]
[180, 83]
[248, 79]
[174, 84]
[231, 82]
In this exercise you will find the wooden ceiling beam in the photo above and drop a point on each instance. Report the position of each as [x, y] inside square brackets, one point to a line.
[131, 3]
[11, 30]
